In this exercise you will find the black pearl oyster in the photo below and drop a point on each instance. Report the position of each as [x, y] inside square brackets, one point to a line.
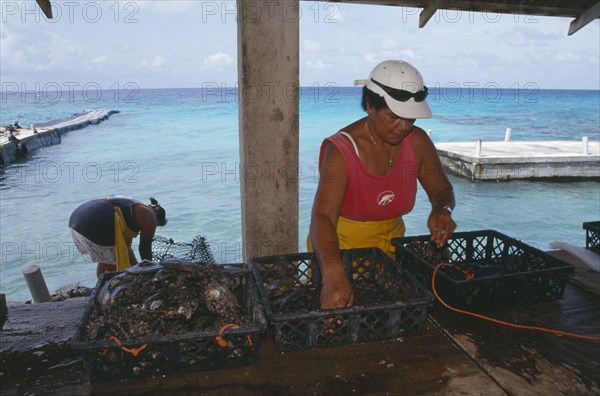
[220, 300]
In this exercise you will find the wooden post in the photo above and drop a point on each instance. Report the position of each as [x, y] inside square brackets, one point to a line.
[584, 146]
[268, 68]
[3, 310]
[507, 134]
[36, 283]
[478, 148]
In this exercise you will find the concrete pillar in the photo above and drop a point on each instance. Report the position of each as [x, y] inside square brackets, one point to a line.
[268, 67]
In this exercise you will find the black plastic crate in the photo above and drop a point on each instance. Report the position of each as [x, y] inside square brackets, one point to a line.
[164, 354]
[389, 302]
[592, 236]
[507, 272]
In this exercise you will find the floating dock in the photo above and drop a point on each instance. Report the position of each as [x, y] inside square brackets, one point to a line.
[44, 134]
[508, 160]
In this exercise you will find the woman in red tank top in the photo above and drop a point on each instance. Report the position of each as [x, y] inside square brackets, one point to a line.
[368, 177]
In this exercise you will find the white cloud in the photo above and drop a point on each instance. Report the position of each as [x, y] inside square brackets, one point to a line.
[318, 65]
[568, 56]
[155, 63]
[370, 58]
[63, 51]
[312, 46]
[408, 53]
[165, 6]
[218, 59]
[41, 52]
[100, 60]
[389, 43]
[125, 48]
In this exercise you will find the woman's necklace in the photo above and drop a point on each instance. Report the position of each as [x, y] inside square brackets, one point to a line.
[391, 160]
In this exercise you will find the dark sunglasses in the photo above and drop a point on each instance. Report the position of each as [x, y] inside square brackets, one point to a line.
[402, 95]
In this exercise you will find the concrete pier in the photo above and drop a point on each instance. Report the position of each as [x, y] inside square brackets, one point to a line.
[45, 134]
[508, 160]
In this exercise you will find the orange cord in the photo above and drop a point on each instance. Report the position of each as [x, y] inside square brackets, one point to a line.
[134, 351]
[517, 326]
[223, 343]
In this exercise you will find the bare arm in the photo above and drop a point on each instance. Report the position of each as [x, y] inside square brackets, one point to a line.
[336, 291]
[145, 219]
[437, 186]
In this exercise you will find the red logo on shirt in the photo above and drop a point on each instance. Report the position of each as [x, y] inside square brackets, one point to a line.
[385, 198]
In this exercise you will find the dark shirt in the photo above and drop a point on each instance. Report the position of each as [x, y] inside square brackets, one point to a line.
[95, 219]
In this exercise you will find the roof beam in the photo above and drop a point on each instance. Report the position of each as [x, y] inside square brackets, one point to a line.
[46, 7]
[584, 18]
[429, 10]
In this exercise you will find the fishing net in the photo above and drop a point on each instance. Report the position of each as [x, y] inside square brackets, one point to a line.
[198, 251]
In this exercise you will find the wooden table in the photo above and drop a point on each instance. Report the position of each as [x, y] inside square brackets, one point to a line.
[455, 355]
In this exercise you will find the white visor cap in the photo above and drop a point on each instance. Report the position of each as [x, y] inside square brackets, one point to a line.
[397, 74]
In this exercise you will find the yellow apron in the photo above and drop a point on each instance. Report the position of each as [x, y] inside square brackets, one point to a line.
[362, 234]
[121, 231]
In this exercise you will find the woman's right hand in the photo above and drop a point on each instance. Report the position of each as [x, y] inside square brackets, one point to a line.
[336, 291]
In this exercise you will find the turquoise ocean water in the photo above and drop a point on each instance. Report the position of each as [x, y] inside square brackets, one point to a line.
[181, 146]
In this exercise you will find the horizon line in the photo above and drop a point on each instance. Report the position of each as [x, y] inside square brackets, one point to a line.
[324, 87]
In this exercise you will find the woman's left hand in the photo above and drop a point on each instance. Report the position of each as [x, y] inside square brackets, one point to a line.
[441, 226]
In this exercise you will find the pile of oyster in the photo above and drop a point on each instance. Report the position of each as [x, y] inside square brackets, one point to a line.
[167, 298]
[429, 251]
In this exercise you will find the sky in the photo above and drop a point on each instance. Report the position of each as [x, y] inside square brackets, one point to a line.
[191, 43]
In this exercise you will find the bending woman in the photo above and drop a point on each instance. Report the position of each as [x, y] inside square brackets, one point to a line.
[104, 229]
